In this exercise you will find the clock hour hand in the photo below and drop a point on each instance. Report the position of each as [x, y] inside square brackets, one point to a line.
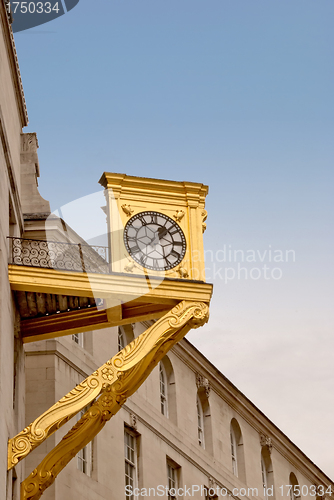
[161, 233]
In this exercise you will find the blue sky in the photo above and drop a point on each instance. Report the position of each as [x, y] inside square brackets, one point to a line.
[235, 94]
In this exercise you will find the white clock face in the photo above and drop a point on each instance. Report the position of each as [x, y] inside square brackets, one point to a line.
[154, 241]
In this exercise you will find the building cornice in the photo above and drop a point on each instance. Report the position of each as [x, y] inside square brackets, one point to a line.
[226, 390]
[14, 64]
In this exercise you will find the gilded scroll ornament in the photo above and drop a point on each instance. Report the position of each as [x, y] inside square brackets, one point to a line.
[129, 368]
[124, 370]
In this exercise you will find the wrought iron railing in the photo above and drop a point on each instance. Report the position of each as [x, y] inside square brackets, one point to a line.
[59, 255]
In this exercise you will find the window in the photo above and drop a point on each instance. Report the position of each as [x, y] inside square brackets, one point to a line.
[200, 423]
[204, 422]
[210, 493]
[125, 335]
[121, 339]
[130, 454]
[167, 390]
[264, 478]
[78, 338]
[163, 390]
[172, 481]
[84, 456]
[234, 452]
[267, 474]
[295, 490]
[237, 451]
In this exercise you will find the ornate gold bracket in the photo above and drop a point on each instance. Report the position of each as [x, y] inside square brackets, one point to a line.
[117, 379]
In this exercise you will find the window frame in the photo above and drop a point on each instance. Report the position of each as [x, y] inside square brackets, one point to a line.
[264, 475]
[78, 339]
[121, 339]
[200, 423]
[234, 454]
[172, 479]
[131, 462]
[163, 388]
[84, 456]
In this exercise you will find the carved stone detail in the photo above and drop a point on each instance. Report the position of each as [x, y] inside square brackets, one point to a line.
[29, 142]
[179, 214]
[205, 216]
[266, 442]
[203, 383]
[133, 421]
[122, 375]
[127, 209]
[212, 483]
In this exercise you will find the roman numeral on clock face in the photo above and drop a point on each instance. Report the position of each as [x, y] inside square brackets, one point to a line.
[135, 249]
[175, 254]
[143, 260]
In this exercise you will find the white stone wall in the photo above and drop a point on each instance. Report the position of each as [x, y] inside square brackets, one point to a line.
[66, 364]
[12, 390]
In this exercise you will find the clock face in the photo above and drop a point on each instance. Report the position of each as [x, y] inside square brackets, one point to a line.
[155, 241]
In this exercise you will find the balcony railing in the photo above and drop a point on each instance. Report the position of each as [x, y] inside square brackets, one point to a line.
[59, 255]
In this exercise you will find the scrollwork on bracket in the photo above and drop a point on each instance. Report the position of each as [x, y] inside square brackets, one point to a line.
[129, 368]
[125, 372]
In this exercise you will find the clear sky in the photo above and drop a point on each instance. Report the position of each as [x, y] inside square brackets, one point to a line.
[237, 94]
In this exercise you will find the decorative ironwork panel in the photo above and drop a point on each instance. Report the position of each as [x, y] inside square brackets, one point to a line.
[59, 255]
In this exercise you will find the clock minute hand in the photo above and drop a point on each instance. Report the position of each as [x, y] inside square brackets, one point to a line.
[162, 231]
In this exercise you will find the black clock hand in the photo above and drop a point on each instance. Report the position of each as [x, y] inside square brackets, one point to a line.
[162, 231]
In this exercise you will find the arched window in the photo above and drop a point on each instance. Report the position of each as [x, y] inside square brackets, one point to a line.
[204, 423]
[234, 452]
[267, 474]
[295, 489]
[167, 390]
[163, 390]
[264, 478]
[200, 422]
[237, 451]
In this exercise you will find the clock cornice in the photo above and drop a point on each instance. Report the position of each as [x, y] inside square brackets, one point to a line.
[143, 187]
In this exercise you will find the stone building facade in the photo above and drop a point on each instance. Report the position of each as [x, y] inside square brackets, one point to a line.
[187, 431]
[188, 425]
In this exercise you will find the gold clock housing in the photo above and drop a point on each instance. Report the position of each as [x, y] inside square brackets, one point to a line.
[182, 202]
